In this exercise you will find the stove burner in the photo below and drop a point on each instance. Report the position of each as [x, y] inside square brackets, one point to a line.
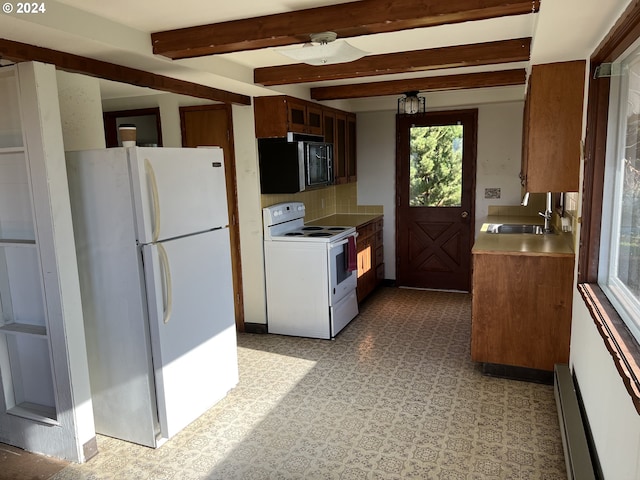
[294, 234]
[312, 228]
[320, 234]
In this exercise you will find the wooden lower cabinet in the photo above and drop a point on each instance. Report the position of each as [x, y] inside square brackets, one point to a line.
[521, 309]
[370, 257]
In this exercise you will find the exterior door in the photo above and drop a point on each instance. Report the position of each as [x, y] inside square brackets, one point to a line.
[211, 125]
[435, 187]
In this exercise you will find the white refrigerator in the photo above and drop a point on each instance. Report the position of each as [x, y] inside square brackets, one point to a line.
[152, 244]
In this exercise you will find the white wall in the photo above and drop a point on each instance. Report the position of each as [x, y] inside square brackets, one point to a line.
[169, 105]
[499, 151]
[250, 213]
[614, 422]
[376, 147]
[499, 154]
[80, 111]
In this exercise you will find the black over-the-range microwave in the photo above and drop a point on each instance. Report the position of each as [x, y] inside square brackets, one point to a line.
[294, 164]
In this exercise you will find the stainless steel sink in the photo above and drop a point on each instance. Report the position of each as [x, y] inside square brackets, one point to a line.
[515, 228]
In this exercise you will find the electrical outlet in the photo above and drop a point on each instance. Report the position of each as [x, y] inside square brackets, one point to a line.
[492, 193]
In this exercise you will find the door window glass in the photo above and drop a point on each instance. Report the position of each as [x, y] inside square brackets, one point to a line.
[435, 171]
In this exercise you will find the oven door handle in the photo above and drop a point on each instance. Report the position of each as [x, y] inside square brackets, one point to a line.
[345, 241]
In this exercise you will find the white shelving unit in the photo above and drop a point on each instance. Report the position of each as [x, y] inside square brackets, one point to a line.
[41, 331]
[25, 358]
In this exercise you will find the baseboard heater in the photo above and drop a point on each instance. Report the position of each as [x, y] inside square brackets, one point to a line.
[574, 438]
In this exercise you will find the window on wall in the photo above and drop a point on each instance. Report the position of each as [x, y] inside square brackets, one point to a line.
[619, 272]
[608, 265]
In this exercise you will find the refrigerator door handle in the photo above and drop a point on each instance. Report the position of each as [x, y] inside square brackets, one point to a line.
[164, 260]
[155, 198]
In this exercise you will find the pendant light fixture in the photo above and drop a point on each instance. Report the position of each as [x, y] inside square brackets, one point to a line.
[411, 104]
[324, 50]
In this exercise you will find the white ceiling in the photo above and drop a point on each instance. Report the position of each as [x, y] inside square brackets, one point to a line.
[118, 31]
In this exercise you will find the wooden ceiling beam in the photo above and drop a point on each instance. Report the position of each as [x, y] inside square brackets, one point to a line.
[347, 20]
[23, 52]
[501, 78]
[504, 51]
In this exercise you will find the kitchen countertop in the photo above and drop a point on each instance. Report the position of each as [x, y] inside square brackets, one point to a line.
[346, 219]
[559, 244]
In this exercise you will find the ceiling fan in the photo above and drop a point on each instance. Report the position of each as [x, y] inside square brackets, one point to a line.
[324, 50]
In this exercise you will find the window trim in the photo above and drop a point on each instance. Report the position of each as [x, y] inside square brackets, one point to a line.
[623, 347]
[623, 300]
[621, 344]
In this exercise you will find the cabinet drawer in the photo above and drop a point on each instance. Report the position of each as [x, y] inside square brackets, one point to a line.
[367, 229]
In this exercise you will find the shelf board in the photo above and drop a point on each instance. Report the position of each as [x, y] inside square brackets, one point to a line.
[36, 412]
[11, 150]
[23, 329]
[10, 242]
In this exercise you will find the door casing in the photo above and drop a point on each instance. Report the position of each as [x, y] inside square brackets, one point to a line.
[213, 125]
[450, 267]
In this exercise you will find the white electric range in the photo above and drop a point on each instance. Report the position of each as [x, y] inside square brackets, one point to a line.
[311, 274]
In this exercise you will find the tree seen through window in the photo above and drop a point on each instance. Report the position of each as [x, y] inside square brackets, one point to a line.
[436, 166]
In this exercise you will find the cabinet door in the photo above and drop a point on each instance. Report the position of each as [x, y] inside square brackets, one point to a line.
[525, 141]
[340, 149]
[370, 258]
[329, 126]
[314, 120]
[297, 116]
[554, 127]
[351, 148]
[271, 116]
[521, 310]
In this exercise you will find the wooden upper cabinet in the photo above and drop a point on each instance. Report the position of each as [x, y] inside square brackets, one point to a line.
[553, 127]
[271, 116]
[340, 150]
[278, 115]
[344, 148]
[329, 125]
[351, 148]
[314, 120]
[297, 116]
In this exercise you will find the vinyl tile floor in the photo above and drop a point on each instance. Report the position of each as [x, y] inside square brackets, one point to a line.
[394, 396]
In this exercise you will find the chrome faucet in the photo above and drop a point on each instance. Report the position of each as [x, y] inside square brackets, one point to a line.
[547, 214]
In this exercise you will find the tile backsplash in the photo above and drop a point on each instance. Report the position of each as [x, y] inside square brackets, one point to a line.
[322, 202]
